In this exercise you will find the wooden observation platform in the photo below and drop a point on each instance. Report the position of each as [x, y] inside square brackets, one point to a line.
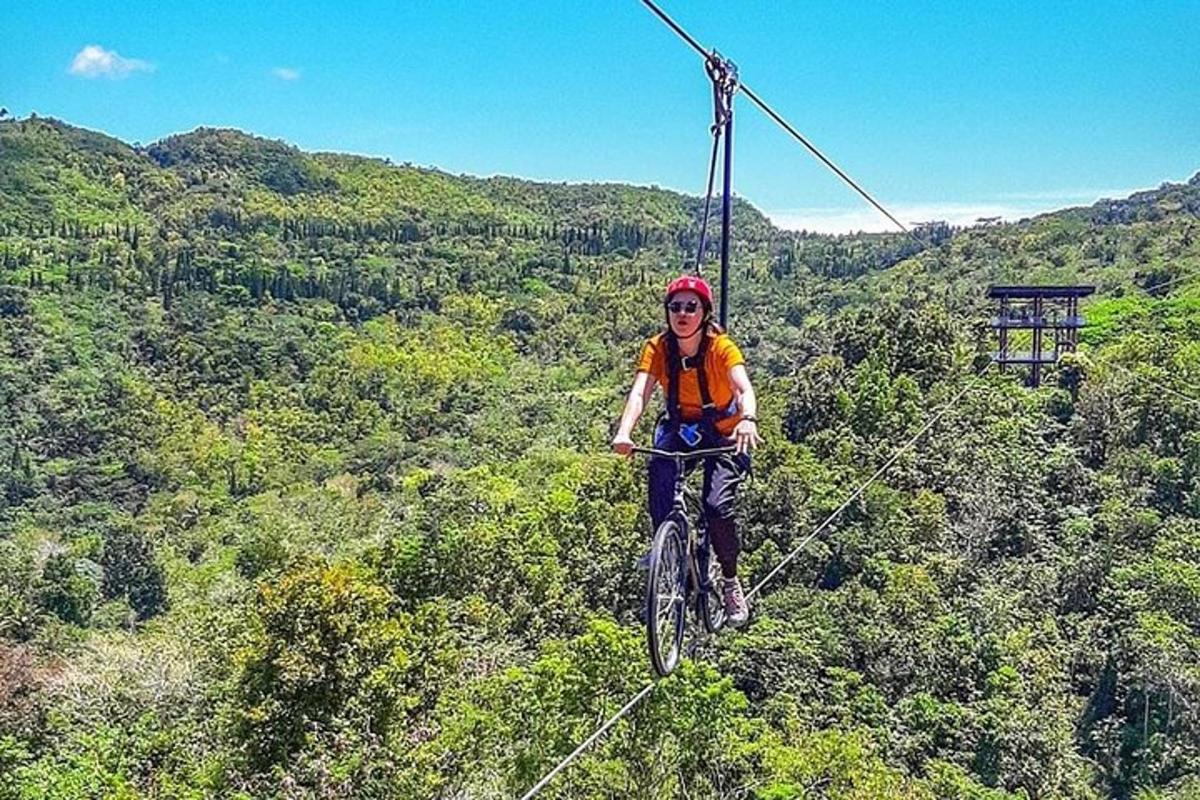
[1038, 310]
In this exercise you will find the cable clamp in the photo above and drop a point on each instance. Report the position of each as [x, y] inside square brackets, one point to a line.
[724, 76]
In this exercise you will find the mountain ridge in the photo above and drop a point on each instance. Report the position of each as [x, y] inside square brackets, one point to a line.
[286, 170]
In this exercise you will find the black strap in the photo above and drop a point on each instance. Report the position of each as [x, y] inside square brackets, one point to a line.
[676, 362]
[706, 403]
[672, 377]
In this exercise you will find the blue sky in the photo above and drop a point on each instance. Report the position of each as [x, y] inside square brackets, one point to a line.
[941, 110]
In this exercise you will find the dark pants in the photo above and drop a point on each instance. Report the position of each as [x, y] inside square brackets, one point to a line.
[722, 476]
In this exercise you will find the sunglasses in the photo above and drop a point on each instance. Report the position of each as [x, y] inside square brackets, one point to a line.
[679, 307]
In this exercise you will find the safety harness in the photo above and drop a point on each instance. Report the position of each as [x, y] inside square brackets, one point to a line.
[675, 363]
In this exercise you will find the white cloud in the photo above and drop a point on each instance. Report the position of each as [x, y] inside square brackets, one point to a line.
[1071, 196]
[1008, 208]
[93, 61]
[286, 73]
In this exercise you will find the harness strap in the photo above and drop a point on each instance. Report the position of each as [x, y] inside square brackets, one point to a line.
[706, 404]
[676, 362]
[673, 413]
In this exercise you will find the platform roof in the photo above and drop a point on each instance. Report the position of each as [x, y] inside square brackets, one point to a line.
[1030, 292]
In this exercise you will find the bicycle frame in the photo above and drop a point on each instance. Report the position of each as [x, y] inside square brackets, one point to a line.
[695, 547]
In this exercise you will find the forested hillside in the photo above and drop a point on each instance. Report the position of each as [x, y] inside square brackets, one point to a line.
[305, 492]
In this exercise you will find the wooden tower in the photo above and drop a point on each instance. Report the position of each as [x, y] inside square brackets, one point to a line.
[1040, 311]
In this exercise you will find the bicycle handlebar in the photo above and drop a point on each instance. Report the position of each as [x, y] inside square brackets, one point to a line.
[685, 455]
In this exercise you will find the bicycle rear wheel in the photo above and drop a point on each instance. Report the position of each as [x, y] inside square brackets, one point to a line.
[666, 593]
[711, 604]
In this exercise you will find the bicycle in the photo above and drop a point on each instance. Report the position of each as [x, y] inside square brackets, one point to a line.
[682, 570]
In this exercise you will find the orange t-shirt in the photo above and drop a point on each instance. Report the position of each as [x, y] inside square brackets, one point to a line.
[722, 356]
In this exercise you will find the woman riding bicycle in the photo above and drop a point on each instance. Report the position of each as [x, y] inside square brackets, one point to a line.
[709, 403]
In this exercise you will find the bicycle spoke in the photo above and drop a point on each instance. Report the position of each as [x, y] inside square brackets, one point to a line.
[667, 604]
[666, 599]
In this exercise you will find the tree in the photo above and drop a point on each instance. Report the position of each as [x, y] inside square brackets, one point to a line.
[328, 654]
[130, 571]
[68, 589]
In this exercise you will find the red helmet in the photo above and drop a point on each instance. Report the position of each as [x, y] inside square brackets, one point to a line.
[691, 283]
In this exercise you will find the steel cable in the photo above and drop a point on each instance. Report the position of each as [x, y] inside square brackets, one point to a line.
[863, 487]
[1136, 377]
[637, 698]
[1152, 290]
[645, 691]
[770, 112]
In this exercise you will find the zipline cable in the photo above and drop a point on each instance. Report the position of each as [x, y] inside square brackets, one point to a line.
[1161, 387]
[645, 691]
[1151, 290]
[879, 472]
[812, 148]
[770, 112]
[637, 698]
[648, 688]
[687, 37]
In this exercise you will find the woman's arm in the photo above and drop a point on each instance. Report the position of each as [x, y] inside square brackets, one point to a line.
[635, 404]
[746, 432]
[747, 401]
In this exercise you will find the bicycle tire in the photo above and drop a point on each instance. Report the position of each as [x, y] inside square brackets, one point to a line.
[666, 598]
[711, 604]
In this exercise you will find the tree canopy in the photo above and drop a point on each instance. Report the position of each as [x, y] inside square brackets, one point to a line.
[305, 492]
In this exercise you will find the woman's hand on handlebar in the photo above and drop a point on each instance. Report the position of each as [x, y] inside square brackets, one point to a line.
[622, 445]
[746, 437]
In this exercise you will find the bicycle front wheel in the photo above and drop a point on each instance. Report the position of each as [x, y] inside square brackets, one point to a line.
[666, 593]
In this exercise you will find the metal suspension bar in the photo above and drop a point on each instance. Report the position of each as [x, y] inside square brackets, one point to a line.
[712, 172]
[726, 215]
[724, 76]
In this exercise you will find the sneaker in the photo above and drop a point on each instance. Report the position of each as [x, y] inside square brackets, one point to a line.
[736, 610]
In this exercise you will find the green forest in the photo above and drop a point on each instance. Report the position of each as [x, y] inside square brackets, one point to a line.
[306, 492]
